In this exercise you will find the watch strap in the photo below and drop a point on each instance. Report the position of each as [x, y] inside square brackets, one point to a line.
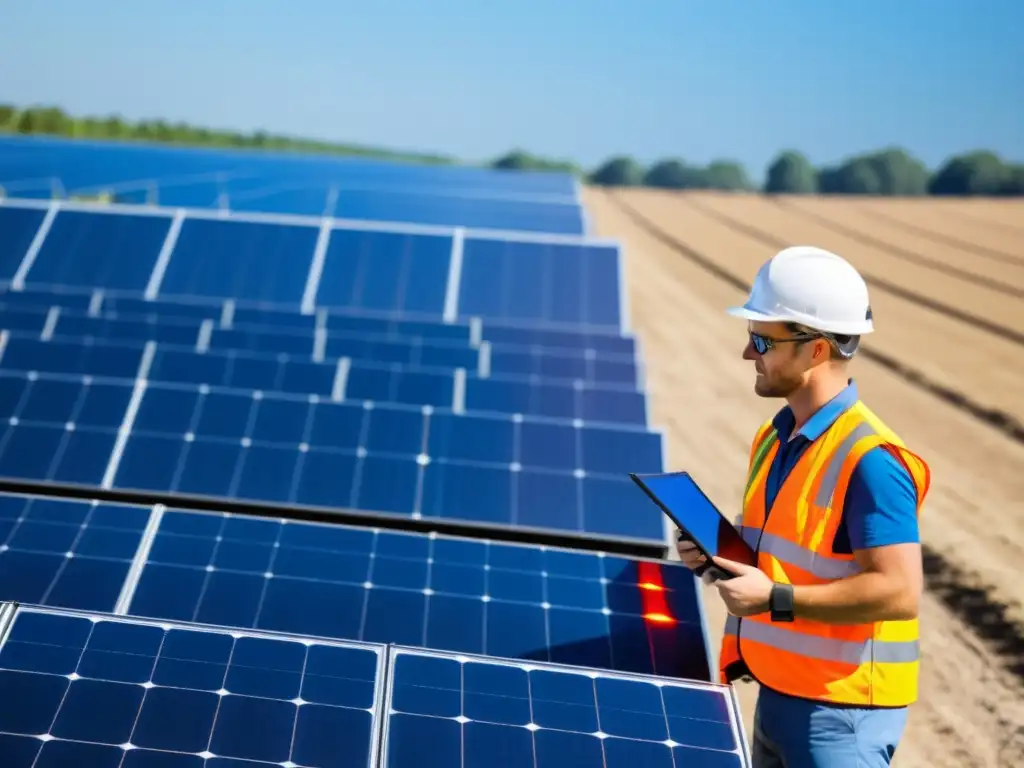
[780, 602]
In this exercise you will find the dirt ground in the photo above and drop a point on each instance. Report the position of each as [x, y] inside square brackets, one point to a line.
[684, 255]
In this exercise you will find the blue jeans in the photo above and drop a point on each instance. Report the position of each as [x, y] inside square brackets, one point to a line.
[797, 733]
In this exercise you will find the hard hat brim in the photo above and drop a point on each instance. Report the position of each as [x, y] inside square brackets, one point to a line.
[845, 329]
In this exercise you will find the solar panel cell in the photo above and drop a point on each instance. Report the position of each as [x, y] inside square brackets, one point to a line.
[240, 260]
[18, 227]
[111, 251]
[93, 690]
[473, 708]
[66, 553]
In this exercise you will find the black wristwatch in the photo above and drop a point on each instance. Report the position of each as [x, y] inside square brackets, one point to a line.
[780, 602]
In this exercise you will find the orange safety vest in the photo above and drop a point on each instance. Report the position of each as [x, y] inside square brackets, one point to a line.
[861, 664]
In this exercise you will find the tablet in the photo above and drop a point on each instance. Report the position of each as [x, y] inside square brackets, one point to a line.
[679, 497]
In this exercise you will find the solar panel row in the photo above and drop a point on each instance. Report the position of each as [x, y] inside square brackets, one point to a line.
[379, 458]
[353, 583]
[476, 197]
[341, 379]
[230, 314]
[164, 252]
[118, 692]
[320, 345]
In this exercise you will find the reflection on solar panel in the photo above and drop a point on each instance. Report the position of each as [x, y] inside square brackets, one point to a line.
[472, 709]
[378, 458]
[567, 282]
[92, 690]
[450, 593]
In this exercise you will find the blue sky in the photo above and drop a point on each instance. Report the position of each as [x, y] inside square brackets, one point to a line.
[581, 79]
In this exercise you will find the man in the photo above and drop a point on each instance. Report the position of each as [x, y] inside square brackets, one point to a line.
[827, 621]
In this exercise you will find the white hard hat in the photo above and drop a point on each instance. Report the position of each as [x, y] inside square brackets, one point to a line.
[812, 287]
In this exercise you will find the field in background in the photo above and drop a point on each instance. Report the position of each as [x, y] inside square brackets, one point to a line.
[945, 369]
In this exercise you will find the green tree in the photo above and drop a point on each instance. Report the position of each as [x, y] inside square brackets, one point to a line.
[726, 174]
[670, 174]
[854, 177]
[618, 172]
[1013, 183]
[975, 173]
[8, 114]
[887, 172]
[791, 173]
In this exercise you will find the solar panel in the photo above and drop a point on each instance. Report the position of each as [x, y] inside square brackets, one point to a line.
[66, 553]
[384, 459]
[457, 594]
[433, 272]
[476, 711]
[335, 379]
[96, 690]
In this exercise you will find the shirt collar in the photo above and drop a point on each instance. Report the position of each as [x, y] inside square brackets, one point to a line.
[821, 420]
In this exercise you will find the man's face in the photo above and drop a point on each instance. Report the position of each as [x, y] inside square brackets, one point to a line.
[782, 369]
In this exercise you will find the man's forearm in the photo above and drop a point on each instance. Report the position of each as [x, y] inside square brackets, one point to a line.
[857, 599]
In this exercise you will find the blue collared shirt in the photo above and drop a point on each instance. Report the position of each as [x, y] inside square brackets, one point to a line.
[881, 499]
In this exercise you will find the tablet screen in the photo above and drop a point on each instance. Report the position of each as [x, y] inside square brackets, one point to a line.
[690, 508]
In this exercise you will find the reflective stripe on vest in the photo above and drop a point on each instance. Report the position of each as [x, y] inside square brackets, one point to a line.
[827, 648]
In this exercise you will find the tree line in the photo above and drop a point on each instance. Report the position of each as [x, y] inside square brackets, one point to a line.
[891, 171]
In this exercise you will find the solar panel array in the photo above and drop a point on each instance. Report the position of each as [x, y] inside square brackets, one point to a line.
[310, 492]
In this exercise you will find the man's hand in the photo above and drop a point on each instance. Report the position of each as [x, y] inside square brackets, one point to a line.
[691, 557]
[747, 593]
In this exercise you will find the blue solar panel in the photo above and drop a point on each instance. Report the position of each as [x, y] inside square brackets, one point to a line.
[244, 260]
[98, 691]
[389, 459]
[337, 379]
[441, 592]
[64, 553]
[551, 283]
[563, 282]
[18, 227]
[110, 251]
[385, 271]
[480, 712]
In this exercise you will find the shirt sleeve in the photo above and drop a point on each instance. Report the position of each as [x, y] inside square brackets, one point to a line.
[881, 503]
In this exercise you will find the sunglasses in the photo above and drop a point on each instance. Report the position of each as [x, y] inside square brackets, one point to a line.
[762, 344]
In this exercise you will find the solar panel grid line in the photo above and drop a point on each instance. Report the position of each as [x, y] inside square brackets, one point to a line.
[95, 303]
[163, 258]
[399, 227]
[204, 336]
[125, 430]
[484, 364]
[451, 298]
[52, 315]
[316, 267]
[459, 391]
[18, 280]
[227, 314]
[340, 383]
[131, 582]
[476, 329]
[538, 713]
[317, 701]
